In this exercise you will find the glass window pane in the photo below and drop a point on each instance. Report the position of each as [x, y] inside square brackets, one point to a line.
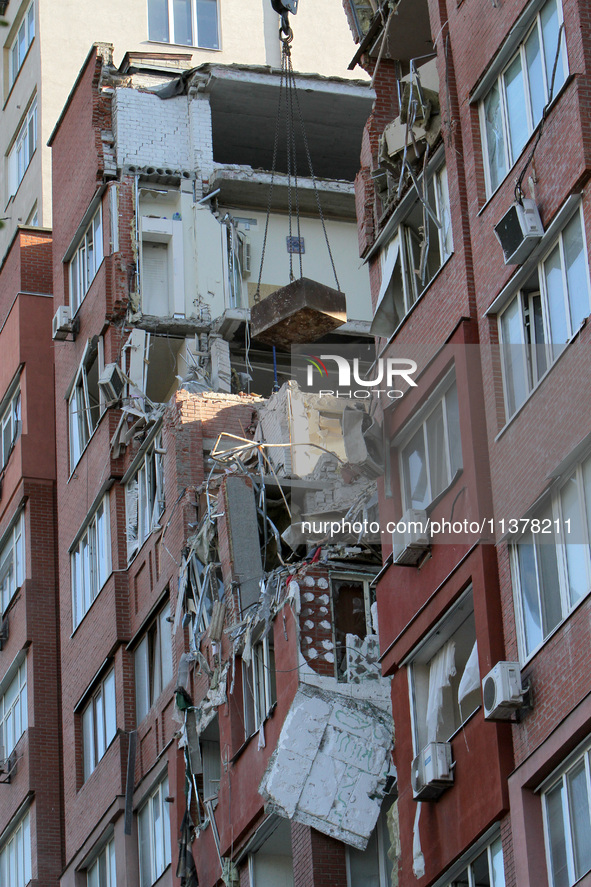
[92, 877]
[530, 604]
[88, 740]
[537, 93]
[437, 452]
[577, 554]
[495, 137]
[207, 24]
[480, 872]
[158, 21]
[453, 429]
[110, 707]
[515, 95]
[515, 371]
[27, 848]
[555, 290]
[111, 880]
[158, 835]
[31, 21]
[496, 860]
[166, 813]
[576, 272]
[100, 725]
[587, 493]
[558, 861]
[578, 802]
[416, 486]
[550, 28]
[143, 823]
[166, 646]
[364, 865]
[549, 581]
[183, 30]
[142, 698]
[537, 337]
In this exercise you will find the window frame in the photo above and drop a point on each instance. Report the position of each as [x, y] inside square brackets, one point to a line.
[14, 539]
[385, 864]
[552, 503]
[12, 415]
[22, 829]
[27, 24]
[143, 514]
[155, 667]
[156, 866]
[570, 764]
[349, 578]
[97, 571]
[94, 717]
[194, 27]
[80, 274]
[498, 83]
[491, 838]
[259, 685]
[18, 676]
[83, 416]
[25, 140]
[103, 863]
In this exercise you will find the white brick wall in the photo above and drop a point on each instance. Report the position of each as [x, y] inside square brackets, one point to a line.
[151, 131]
[201, 135]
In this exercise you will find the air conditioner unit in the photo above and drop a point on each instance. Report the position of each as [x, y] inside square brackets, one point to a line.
[502, 691]
[519, 230]
[432, 771]
[245, 254]
[112, 382]
[411, 543]
[3, 632]
[61, 324]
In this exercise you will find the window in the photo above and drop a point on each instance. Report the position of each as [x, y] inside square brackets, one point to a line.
[487, 869]
[210, 756]
[445, 678]
[90, 562]
[259, 683]
[372, 867]
[86, 261]
[15, 856]
[10, 424]
[23, 148]
[567, 820]
[153, 663]
[102, 871]
[545, 314]
[363, 12]
[99, 723]
[422, 243]
[144, 498]
[551, 578]
[513, 106]
[154, 835]
[22, 41]
[84, 404]
[351, 603]
[12, 562]
[188, 22]
[430, 459]
[13, 710]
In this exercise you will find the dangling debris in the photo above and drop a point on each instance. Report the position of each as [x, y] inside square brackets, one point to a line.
[303, 311]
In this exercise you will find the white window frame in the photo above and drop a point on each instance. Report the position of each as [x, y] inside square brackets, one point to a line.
[144, 497]
[490, 843]
[102, 871]
[153, 663]
[499, 85]
[15, 855]
[23, 149]
[86, 260]
[194, 27]
[399, 255]
[567, 820]
[385, 864]
[21, 43]
[345, 579]
[10, 426]
[90, 561]
[14, 717]
[83, 415]
[527, 351]
[99, 723]
[440, 397]
[259, 686]
[12, 562]
[553, 510]
[154, 821]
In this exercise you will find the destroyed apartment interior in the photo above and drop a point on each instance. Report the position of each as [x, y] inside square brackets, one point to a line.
[236, 645]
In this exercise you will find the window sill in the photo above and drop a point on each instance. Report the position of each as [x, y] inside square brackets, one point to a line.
[540, 381]
[186, 46]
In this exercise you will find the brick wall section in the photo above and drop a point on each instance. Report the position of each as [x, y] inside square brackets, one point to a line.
[318, 860]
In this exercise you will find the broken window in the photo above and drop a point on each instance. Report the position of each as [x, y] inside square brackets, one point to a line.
[545, 314]
[12, 562]
[431, 457]
[24, 147]
[84, 402]
[233, 257]
[23, 39]
[444, 677]
[211, 760]
[372, 867]
[99, 723]
[153, 821]
[15, 855]
[513, 106]
[153, 663]
[413, 256]
[90, 560]
[204, 587]
[485, 869]
[351, 605]
[10, 425]
[102, 872]
[86, 261]
[186, 22]
[259, 685]
[144, 498]
[363, 12]
[13, 708]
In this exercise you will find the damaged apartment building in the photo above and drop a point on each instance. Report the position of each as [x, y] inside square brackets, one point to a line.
[224, 718]
[473, 211]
